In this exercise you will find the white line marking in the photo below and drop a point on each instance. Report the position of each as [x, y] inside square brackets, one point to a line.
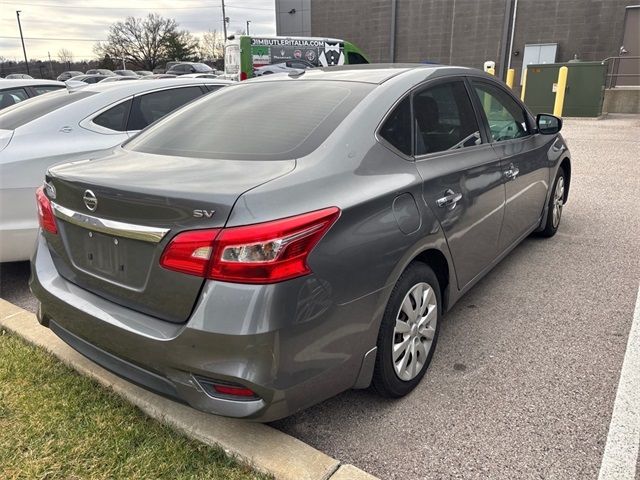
[623, 440]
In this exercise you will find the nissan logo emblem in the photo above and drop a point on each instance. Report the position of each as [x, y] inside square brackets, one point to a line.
[90, 200]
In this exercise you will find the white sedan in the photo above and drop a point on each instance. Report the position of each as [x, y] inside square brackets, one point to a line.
[73, 124]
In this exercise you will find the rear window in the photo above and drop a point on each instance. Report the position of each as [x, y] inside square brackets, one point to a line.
[260, 121]
[15, 117]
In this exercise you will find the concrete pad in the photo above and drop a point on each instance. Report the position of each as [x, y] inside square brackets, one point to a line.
[349, 472]
[264, 448]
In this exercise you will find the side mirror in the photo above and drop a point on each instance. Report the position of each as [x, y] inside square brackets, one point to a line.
[193, 70]
[548, 124]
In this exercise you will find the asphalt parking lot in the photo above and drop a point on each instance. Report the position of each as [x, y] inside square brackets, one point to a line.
[524, 378]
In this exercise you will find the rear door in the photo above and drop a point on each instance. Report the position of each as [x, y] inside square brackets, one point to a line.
[462, 175]
[524, 162]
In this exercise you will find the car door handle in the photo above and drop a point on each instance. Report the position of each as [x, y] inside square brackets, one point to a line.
[450, 199]
[512, 173]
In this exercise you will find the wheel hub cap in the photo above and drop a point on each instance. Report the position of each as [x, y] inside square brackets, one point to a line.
[414, 331]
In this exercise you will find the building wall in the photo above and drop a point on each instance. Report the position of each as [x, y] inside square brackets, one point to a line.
[296, 24]
[468, 32]
[366, 23]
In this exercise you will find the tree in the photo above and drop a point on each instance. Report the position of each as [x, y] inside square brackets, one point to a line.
[65, 55]
[182, 46]
[143, 42]
[212, 45]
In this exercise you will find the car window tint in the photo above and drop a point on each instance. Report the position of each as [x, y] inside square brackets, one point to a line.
[37, 107]
[355, 58]
[444, 119]
[506, 118]
[114, 118]
[397, 127]
[148, 108]
[255, 121]
[40, 89]
[12, 96]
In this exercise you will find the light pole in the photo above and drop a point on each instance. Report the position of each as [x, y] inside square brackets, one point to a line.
[24, 50]
[224, 21]
[248, 22]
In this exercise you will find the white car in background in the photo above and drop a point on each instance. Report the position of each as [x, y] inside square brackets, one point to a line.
[16, 91]
[283, 67]
[73, 124]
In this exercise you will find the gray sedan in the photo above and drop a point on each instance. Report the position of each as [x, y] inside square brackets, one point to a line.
[253, 255]
[72, 123]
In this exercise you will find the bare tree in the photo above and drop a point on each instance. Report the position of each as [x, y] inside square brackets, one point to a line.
[65, 55]
[141, 41]
[212, 45]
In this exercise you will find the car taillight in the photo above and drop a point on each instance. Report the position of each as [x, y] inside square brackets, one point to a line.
[45, 213]
[267, 252]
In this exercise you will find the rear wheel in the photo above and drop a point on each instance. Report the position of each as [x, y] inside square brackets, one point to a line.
[556, 203]
[408, 332]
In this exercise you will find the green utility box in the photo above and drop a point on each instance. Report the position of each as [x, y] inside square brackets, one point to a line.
[585, 88]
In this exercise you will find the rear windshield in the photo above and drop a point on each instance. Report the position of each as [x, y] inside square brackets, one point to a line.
[14, 117]
[260, 121]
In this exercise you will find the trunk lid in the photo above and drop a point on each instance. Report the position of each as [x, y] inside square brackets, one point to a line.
[116, 215]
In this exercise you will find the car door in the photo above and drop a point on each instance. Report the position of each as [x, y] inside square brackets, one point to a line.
[149, 107]
[462, 175]
[522, 153]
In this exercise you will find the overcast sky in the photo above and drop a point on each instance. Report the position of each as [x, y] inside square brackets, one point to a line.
[49, 25]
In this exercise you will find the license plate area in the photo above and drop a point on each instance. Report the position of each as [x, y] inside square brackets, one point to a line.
[116, 259]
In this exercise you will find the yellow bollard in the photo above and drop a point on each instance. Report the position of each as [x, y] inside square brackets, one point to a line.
[524, 84]
[560, 91]
[511, 75]
[491, 71]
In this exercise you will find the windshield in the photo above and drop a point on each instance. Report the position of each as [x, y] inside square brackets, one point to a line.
[259, 121]
[14, 117]
[202, 68]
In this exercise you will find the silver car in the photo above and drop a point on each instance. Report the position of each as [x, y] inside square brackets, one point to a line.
[67, 124]
[253, 255]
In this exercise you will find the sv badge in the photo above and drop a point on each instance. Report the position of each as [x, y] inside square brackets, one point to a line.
[203, 213]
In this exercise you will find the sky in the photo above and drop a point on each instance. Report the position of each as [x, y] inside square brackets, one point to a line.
[50, 25]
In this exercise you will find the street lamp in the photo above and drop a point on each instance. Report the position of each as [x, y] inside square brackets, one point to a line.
[24, 50]
[248, 22]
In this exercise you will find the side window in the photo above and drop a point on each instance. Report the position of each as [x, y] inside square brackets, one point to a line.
[444, 119]
[40, 89]
[397, 128]
[148, 108]
[355, 58]
[507, 120]
[114, 118]
[11, 97]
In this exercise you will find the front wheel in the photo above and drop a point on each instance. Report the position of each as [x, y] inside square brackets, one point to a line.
[556, 203]
[408, 332]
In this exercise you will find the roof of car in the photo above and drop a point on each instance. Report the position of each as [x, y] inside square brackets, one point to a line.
[368, 73]
[135, 87]
[16, 83]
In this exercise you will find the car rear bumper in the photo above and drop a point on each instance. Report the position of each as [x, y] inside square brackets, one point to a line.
[287, 342]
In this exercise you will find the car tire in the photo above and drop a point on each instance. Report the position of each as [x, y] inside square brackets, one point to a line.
[556, 203]
[406, 342]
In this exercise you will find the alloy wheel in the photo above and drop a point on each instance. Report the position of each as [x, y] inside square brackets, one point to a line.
[558, 201]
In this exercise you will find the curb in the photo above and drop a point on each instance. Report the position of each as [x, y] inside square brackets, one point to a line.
[262, 447]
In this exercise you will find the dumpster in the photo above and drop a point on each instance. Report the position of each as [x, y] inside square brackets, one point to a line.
[585, 88]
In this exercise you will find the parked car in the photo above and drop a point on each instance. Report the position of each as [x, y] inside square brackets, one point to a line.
[189, 67]
[156, 76]
[283, 67]
[199, 75]
[143, 73]
[18, 76]
[89, 78]
[68, 74]
[118, 78]
[100, 71]
[125, 73]
[67, 124]
[252, 255]
[15, 91]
